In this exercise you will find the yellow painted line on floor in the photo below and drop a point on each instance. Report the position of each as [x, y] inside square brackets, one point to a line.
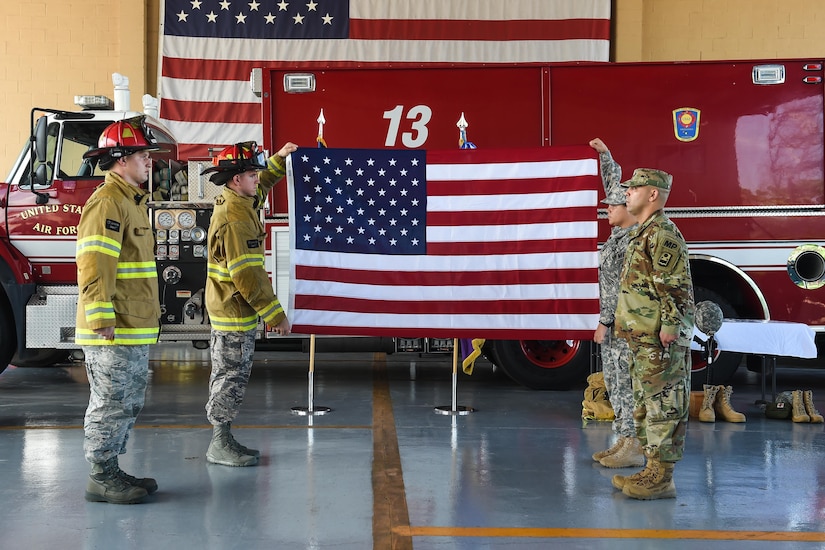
[390, 517]
[587, 533]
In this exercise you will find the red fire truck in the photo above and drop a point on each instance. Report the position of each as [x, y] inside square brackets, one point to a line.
[744, 141]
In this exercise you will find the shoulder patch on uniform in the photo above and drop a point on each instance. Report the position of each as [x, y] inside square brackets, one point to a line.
[113, 225]
[667, 253]
[253, 243]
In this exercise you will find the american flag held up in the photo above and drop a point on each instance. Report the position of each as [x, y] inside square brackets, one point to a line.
[444, 243]
[209, 48]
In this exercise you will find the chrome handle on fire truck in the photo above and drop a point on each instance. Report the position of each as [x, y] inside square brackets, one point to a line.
[299, 83]
[806, 266]
[768, 74]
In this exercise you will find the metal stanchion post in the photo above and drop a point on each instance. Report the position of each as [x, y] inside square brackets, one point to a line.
[454, 409]
[311, 409]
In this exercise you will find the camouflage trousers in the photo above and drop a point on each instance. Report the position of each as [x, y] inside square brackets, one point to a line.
[661, 394]
[118, 377]
[616, 368]
[231, 367]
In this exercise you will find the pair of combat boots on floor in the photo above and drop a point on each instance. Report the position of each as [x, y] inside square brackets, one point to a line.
[798, 405]
[108, 483]
[716, 405]
[654, 481]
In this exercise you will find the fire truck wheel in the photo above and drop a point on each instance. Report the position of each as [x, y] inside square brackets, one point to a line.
[724, 364]
[36, 358]
[543, 364]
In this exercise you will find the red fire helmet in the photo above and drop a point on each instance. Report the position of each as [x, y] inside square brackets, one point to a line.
[123, 138]
[238, 158]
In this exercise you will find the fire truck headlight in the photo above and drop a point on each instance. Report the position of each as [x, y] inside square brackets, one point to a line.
[806, 266]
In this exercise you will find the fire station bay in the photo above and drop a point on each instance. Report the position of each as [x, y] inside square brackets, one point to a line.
[589, 321]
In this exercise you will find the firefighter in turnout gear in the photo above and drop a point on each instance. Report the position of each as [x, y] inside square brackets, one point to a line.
[117, 309]
[238, 289]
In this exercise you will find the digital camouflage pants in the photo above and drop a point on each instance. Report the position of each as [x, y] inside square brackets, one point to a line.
[117, 391]
[661, 394]
[616, 368]
[231, 367]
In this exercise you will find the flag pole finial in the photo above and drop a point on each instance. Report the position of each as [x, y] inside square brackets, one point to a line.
[321, 121]
[462, 134]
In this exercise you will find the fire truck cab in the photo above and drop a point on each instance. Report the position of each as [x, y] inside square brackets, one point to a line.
[41, 201]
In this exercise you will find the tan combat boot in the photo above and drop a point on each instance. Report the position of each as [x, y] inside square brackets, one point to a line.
[616, 446]
[106, 485]
[629, 456]
[706, 413]
[224, 450]
[798, 413]
[146, 483]
[619, 481]
[810, 408]
[658, 483]
[723, 408]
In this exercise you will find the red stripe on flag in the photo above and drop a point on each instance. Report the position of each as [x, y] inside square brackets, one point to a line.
[482, 30]
[502, 186]
[507, 217]
[504, 247]
[446, 278]
[217, 112]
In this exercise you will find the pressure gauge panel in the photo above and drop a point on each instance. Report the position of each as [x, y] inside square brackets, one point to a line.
[165, 219]
[186, 219]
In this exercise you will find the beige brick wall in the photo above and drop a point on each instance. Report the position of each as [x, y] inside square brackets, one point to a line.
[688, 30]
[53, 50]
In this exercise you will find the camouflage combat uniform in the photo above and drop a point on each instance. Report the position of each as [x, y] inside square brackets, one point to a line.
[238, 290]
[118, 286]
[656, 294]
[614, 350]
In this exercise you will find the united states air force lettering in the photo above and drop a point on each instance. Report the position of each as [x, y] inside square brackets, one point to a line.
[49, 229]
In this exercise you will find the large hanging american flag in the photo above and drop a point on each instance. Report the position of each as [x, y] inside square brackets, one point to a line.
[456, 244]
[209, 47]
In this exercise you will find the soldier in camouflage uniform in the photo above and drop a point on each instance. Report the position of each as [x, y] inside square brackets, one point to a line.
[655, 315]
[238, 289]
[118, 309]
[626, 451]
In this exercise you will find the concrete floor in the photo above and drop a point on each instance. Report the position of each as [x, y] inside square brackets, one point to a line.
[382, 471]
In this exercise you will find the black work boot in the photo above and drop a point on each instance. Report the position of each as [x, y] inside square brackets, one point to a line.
[106, 485]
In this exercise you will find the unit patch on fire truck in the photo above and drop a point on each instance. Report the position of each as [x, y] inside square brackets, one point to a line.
[686, 123]
[113, 225]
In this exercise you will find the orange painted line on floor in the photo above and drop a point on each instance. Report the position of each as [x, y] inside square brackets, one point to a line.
[390, 517]
[587, 533]
[199, 426]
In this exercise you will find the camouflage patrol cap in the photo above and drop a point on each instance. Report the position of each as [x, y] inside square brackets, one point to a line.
[708, 317]
[649, 176]
[615, 197]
